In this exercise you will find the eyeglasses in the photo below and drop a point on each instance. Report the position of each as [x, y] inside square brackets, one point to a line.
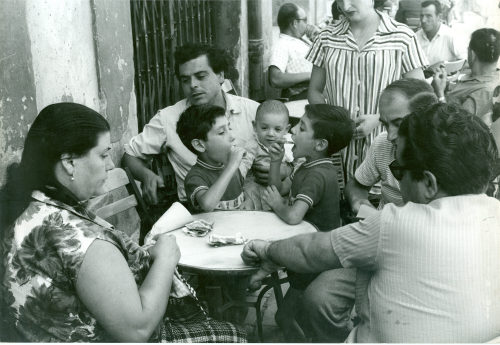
[398, 170]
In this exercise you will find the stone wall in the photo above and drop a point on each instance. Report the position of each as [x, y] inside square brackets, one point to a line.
[76, 51]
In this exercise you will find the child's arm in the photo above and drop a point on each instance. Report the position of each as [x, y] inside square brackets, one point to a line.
[276, 152]
[290, 214]
[208, 199]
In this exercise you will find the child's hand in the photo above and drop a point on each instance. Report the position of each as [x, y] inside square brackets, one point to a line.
[272, 196]
[235, 156]
[277, 151]
[285, 171]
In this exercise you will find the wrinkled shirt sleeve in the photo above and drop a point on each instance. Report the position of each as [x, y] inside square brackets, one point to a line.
[357, 244]
[150, 140]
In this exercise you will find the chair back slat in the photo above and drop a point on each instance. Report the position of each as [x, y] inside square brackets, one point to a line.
[122, 200]
[117, 207]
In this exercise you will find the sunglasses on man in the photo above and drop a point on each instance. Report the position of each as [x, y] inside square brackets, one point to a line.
[398, 170]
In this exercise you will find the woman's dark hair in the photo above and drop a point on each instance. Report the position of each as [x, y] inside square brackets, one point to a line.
[485, 43]
[336, 12]
[286, 15]
[379, 4]
[196, 121]
[332, 123]
[456, 146]
[218, 59]
[59, 128]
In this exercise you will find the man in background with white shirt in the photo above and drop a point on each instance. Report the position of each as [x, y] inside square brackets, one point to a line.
[288, 68]
[436, 38]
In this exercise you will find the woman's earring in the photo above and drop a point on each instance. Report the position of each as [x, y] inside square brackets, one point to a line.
[72, 178]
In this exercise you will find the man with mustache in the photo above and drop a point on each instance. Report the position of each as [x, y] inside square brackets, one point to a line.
[200, 70]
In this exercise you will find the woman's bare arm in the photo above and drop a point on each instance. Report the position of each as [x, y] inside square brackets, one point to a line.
[107, 287]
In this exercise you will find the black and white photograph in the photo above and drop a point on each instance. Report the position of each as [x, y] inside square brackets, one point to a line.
[250, 171]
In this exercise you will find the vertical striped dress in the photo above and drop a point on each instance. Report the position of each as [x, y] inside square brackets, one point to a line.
[355, 77]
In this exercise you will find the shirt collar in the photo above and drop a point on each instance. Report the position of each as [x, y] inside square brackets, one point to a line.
[232, 105]
[493, 76]
[387, 25]
[440, 30]
[209, 166]
[318, 162]
[438, 33]
[80, 209]
[341, 27]
[290, 37]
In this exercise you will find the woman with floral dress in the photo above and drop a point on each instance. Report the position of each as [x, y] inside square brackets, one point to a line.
[68, 275]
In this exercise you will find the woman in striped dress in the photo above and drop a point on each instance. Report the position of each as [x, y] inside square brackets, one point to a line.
[354, 60]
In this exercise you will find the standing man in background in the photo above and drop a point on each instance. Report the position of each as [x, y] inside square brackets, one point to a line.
[288, 68]
[436, 38]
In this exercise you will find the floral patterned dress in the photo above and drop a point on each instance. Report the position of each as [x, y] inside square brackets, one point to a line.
[42, 257]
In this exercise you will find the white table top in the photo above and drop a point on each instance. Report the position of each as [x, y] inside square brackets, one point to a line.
[197, 254]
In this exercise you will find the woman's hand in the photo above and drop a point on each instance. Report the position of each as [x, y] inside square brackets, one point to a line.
[166, 247]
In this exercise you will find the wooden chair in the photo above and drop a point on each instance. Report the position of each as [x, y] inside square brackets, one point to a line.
[167, 195]
[272, 282]
[118, 178]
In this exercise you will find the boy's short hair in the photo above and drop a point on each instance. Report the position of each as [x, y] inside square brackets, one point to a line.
[271, 106]
[196, 121]
[331, 123]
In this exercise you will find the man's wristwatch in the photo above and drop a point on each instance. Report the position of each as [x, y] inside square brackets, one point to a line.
[442, 99]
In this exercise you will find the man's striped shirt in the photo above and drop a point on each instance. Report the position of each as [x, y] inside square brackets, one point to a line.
[375, 168]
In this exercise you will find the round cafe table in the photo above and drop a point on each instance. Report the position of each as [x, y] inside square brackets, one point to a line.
[198, 255]
[227, 273]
